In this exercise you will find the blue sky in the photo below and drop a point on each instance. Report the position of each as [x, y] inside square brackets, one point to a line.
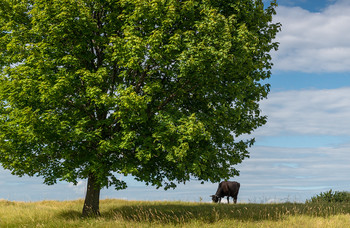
[310, 5]
[304, 148]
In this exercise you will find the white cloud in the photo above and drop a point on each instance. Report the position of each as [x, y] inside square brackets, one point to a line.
[32, 188]
[307, 112]
[79, 188]
[295, 172]
[314, 42]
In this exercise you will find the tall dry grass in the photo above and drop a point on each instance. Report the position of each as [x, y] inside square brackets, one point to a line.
[121, 213]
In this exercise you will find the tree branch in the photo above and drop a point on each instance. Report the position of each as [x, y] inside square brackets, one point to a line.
[142, 79]
[171, 97]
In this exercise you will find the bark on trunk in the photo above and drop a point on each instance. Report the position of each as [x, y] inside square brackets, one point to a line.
[92, 198]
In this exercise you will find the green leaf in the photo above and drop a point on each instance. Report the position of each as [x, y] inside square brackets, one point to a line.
[156, 89]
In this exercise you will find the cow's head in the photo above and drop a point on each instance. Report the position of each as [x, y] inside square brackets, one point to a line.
[215, 198]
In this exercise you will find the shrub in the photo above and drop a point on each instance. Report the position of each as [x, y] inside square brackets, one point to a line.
[330, 196]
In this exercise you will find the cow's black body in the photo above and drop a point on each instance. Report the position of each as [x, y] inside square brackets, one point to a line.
[226, 188]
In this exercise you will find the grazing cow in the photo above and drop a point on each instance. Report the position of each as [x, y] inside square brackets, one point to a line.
[226, 188]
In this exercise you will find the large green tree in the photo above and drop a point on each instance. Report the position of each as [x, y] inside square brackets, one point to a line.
[156, 89]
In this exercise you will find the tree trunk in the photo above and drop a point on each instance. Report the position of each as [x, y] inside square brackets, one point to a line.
[92, 198]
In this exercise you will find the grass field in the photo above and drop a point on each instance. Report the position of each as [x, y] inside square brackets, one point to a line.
[121, 213]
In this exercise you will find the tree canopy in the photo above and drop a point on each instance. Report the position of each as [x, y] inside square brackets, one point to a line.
[156, 89]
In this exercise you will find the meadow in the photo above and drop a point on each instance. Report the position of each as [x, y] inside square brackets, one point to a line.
[122, 213]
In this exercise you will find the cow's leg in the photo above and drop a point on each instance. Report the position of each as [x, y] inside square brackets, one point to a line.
[228, 200]
[219, 199]
[235, 199]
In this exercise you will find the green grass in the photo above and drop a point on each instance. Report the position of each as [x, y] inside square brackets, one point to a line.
[121, 213]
